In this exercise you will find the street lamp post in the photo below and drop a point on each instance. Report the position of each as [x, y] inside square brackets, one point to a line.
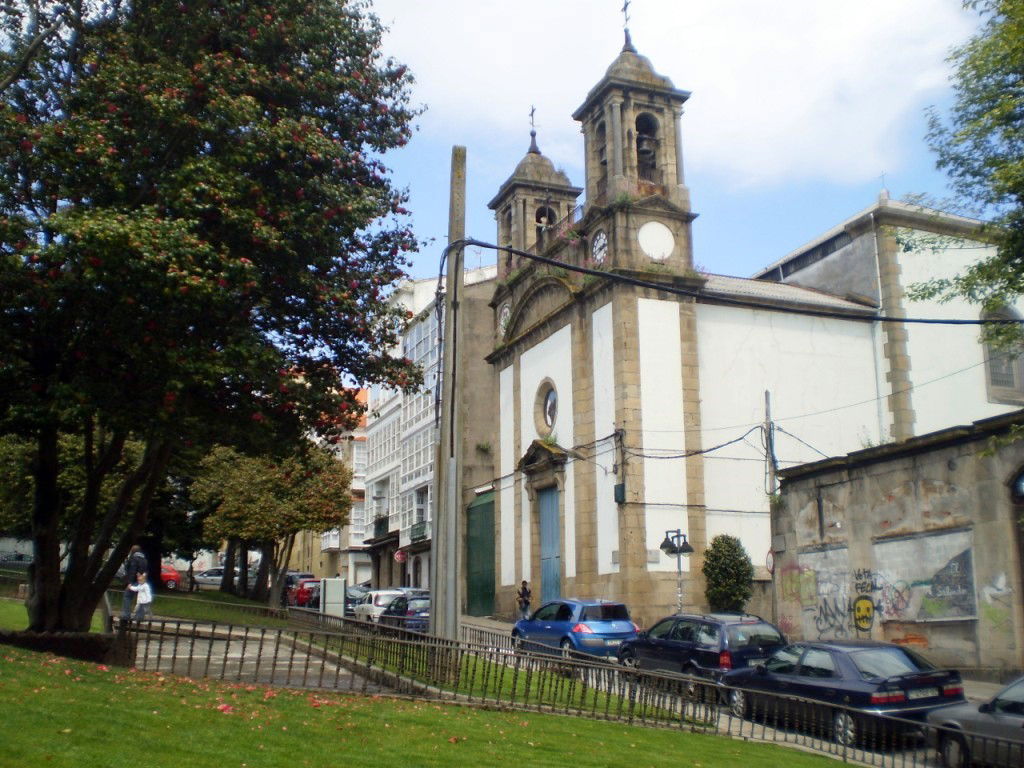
[675, 543]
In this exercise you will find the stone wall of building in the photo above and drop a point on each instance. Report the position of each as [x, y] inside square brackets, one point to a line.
[916, 543]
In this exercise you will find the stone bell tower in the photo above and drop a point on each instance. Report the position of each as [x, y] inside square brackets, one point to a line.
[632, 137]
[531, 202]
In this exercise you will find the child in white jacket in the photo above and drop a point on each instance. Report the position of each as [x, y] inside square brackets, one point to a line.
[143, 598]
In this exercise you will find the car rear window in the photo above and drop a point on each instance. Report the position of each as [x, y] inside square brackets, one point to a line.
[754, 635]
[606, 612]
[419, 604]
[880, 663]
[384, 598]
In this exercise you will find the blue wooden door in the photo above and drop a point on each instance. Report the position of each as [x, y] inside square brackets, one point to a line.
[550, 545]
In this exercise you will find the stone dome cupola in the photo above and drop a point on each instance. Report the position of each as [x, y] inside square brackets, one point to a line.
[531, 202]
[632, 133]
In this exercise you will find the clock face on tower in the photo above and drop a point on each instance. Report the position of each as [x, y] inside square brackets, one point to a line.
[599, 246]
[504, 315]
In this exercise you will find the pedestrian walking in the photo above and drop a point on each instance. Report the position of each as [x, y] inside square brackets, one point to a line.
[143, 597]
[523, 596]
[135, 564]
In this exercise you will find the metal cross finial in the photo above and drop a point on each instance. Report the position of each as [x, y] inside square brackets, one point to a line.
[533, 111]
[883, 178]
[625, 13]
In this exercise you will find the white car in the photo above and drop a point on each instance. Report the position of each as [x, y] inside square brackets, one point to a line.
[374, 602]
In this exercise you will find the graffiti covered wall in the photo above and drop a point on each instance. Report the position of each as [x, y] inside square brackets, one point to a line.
[919, 543]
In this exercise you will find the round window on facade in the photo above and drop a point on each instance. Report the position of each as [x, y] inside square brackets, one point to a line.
[545, 410]
[1017, 488]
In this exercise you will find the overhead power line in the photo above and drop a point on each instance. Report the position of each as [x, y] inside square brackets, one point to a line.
[696, 294]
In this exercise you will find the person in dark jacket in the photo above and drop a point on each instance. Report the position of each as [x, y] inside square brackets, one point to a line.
[133, 566]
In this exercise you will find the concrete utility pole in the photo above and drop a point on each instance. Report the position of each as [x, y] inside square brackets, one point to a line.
[445, 600]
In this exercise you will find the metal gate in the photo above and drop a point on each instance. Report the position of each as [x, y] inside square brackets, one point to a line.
[480, 556]
[550, 545]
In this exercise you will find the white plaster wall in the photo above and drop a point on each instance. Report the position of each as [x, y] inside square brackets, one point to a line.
[661, 418]
[604, 451]
[947, 363]
[821, 374]
[551, 359]
[506, 465]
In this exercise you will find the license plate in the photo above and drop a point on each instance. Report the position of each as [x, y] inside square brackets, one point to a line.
[613, 642]
[922, 693]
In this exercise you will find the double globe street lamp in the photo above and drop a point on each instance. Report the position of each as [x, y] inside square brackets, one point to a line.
[675, 543]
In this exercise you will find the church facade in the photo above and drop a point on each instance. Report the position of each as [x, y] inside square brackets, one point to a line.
[638, 398]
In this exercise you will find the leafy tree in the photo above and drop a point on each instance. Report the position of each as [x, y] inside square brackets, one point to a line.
[270, 501]
[728, 574]
[981, 147]
[197, 239]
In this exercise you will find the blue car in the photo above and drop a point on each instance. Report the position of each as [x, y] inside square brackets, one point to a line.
[592, 627]
[410, 612]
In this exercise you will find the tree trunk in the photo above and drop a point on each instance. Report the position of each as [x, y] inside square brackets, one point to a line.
[227, 580]
[44, 584]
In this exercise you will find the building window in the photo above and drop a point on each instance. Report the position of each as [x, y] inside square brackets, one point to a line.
[1004, 366]
[1017, 488]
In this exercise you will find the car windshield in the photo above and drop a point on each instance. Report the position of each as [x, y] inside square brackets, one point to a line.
[753, 635]
[384, 598]
[880, 663]
[606, 612]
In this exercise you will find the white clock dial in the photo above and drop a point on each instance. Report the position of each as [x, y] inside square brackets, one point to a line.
[656, 240]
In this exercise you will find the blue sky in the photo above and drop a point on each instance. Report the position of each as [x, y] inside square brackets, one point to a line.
[798, 107]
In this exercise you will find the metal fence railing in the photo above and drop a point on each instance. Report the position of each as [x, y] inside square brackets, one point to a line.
[347, 655]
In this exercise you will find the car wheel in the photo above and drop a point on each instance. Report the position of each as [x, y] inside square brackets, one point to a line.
[566, 647]
[629, 659]
[739, 703]
[171, 584]
[517, 642]
[844, 728]
[953, 751]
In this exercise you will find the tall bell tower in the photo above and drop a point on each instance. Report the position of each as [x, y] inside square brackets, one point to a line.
[632, 134]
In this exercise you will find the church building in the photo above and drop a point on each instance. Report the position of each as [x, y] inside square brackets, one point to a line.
[639, 399]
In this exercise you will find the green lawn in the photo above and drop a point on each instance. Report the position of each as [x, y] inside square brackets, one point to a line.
[64, 713]
[14, 616]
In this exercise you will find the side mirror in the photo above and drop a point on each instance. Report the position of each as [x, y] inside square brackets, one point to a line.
[760, 669]
[987, 707]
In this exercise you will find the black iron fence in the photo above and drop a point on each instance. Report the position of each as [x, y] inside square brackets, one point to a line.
[346, 655]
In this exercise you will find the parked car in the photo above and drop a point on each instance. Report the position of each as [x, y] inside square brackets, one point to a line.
[169, 576]
[847, 684]
[991, 733]
[353, 595]
[299, 594]
[411, 612]
[374, 602]
[706, 645]
[291, 578]
[208, 579]
[594, 627]
[313, 601]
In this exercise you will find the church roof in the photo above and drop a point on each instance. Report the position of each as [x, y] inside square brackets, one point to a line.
[535, 170]
[782, 293]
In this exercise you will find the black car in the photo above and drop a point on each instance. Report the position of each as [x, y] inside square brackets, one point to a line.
[706, 645]
[847, 687]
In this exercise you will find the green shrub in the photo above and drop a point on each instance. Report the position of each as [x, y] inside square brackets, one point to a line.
[728, 574]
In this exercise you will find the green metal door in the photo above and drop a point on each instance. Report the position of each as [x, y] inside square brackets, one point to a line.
[480, 556]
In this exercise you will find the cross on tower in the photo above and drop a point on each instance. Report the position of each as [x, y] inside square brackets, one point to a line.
[625, 13]
[533, 111]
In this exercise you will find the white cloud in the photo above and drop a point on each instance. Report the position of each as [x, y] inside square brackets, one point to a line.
[782, 92]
